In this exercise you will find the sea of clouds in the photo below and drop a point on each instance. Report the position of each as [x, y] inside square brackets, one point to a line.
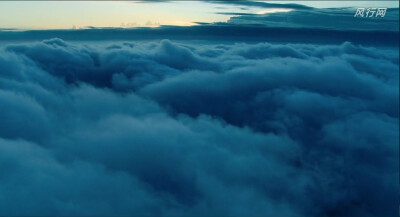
[167, 128]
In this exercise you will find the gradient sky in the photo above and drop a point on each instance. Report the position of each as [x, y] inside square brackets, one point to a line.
[81, 14]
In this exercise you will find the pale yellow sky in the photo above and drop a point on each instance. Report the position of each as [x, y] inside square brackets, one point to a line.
[69, 14]
[66, 14]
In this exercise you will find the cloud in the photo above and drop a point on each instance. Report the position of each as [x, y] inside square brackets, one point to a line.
[256, 28]
[193, 128]
[265, 4]
[301, 16]
[322, 18]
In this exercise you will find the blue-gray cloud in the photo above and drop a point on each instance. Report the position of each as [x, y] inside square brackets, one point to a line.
[256, 28]
[322, 18]
[265, 4]
[193, 128]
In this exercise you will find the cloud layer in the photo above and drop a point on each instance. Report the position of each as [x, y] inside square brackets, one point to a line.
[322, 18]
[166, 128]
[245, 28]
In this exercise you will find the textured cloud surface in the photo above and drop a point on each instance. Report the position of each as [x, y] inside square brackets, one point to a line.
[168, 128]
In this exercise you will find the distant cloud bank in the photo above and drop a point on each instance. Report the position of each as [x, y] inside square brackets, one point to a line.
[223, 32]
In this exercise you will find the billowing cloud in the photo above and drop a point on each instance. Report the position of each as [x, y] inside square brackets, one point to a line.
[185, 129]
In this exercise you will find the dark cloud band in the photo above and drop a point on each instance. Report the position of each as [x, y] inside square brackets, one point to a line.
[236, 30]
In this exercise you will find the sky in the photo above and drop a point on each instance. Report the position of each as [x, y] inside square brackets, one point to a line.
[81, 14]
